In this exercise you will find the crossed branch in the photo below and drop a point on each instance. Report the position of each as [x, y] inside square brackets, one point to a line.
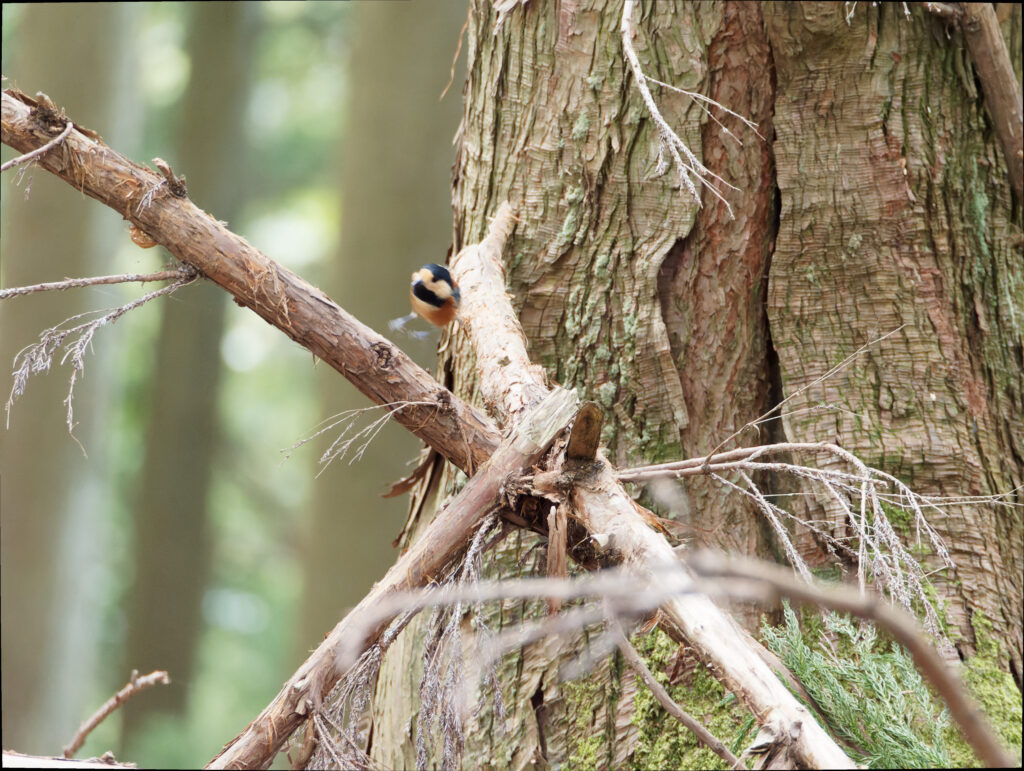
[534, 413]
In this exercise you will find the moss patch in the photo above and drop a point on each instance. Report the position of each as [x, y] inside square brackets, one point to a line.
[663, 742]
[994, 691]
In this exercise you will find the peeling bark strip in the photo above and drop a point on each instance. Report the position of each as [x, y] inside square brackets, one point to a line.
[999, 84]
[379, 369]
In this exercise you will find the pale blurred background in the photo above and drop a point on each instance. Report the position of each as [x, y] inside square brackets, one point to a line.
[183, 540]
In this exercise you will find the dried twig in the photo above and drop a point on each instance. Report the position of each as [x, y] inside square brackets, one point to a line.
[134, 686]
[629, 590]
[637, 664]
[73, 283]
[39, 356]
[347, 420]
[39, 150]
[778, 407]
[700, 99]
[767, 582]
[668, 138]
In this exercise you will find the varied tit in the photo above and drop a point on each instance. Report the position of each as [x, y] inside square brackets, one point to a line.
[434, 296]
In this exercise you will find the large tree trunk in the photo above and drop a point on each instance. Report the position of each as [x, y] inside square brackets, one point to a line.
[656, 308]
[897, 212]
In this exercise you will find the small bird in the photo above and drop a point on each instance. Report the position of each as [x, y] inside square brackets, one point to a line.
[434, 296]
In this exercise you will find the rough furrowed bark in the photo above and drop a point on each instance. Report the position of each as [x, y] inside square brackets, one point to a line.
[713, 282]
[896, 212]
[554, 121]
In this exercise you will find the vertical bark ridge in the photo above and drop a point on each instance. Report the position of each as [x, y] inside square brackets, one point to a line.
[895, 211]
[712, 284]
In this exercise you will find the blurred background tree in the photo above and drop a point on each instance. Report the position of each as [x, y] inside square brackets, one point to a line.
[182, 540]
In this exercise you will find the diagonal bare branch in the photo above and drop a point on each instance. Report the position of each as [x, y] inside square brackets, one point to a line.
[375, 365]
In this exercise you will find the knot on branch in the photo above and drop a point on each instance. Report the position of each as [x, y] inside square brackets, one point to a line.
[49, 114]
[174, 183]
[384, 354]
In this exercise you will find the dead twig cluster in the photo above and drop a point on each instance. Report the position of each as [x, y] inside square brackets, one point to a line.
[862, 494]
[686, 163]
[39, 356]
[347, 420]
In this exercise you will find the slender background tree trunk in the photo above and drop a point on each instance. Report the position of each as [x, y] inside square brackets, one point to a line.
[394, 218]
[172, 543]
[51, 523]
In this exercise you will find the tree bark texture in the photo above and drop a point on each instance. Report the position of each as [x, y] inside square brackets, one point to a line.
[605, 266]
[897, 212]
[881, 201]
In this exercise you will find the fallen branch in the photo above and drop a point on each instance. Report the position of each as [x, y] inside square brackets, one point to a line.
[509, 381]
[600, 504]
[105, 762]
[135, 685]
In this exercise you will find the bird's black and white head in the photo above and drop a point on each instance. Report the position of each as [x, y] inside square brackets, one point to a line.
[434, 294]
